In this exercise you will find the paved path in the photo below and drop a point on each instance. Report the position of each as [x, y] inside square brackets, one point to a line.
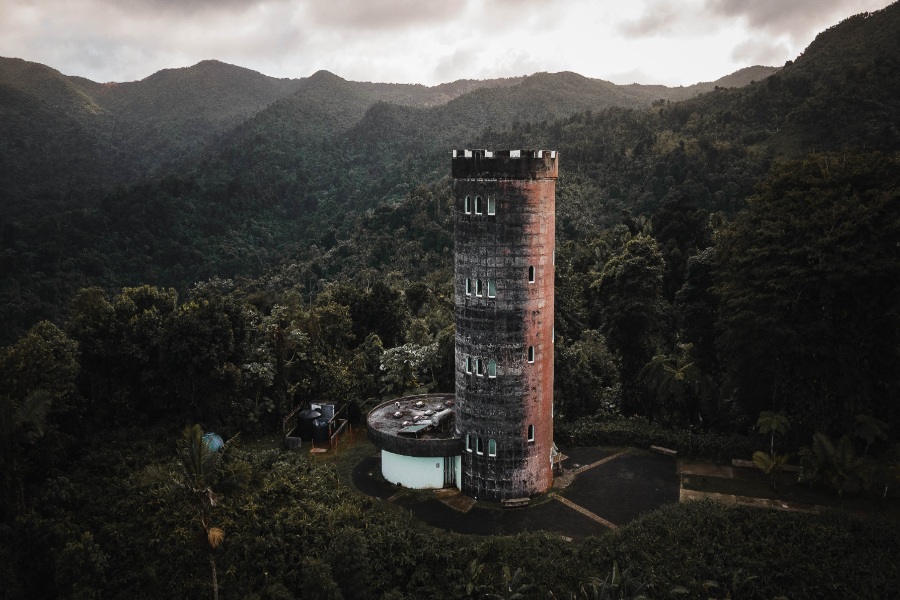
[584, 468]
[579, 508]
[628, 483]
[584, 511]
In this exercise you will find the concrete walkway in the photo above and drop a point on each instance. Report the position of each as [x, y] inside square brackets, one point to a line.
[702, 469]
[599, 489]
[602, 461]
[583, 511]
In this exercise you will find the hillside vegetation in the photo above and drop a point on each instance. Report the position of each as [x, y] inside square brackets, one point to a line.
[727, 279]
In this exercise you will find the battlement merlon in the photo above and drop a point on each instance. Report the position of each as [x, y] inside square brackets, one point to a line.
[505, 164]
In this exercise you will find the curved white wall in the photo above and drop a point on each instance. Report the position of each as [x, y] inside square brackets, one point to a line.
[416, 472]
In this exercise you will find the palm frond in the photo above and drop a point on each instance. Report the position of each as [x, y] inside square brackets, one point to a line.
[31, 415]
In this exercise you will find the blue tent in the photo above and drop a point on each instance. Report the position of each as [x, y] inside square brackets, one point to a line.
[213, 441]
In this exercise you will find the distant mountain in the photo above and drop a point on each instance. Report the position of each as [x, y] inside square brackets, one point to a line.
[225, 171]
[120, 132]
[842, 91]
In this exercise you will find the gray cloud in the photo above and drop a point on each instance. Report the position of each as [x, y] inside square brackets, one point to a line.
[796, 18]
[383, 15]
[657, 19]
[457, 65]
[760, 51]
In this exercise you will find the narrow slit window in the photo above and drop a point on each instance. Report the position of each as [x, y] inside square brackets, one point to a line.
[477, 205]
[468, 364]
[468, 286]
[492, 369]
[530, 433]
[467, 208]
[479, 369]
[479, 288]
[492, 447]
[492, 288]
[531, 274]
[531, 354]
[468, 443]
[491, 205]
[478, 448]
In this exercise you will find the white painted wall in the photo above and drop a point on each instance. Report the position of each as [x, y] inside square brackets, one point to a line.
[417, 472]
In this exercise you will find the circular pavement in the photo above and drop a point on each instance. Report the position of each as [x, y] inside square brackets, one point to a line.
[623, 486]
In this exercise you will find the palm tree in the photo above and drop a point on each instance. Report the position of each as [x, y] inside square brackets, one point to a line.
[772, 423]
[833, 464]
[869, 428]
[21, 424]
[673, 377]
[770, 464]
[202, 475]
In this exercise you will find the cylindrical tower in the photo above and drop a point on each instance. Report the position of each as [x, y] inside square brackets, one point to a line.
[504, 239]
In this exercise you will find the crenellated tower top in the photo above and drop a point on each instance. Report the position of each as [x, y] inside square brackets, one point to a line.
[504, 164]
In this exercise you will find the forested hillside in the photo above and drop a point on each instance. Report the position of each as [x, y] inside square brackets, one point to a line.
[727, 266]
[247, 164]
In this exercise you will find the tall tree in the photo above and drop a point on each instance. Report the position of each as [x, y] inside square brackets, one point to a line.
[202, 475]
[37, 373]
[634, 312]
[809, 279]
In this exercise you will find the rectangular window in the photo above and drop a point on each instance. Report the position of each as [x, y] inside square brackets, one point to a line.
[492, 368]
[531, 354]
[492, 206]
[468, 364]
[478, 288]
[478, 448]
[492, 288]
[531, 433]
[468, 443]
[468, 287]
[531, 274]
[466, 207]
[492, 447]
[479, 370]
[477, 205]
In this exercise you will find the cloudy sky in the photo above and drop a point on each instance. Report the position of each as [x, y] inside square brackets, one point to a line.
[673, 42]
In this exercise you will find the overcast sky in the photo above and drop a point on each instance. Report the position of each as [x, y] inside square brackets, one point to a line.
[674, 42]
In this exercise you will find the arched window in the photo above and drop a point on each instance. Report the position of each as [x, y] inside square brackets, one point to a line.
[467, 208]
[531, 274]
[477, 205]
[531, 354]
[468, 364]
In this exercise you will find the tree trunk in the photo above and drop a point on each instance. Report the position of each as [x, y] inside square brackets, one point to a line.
[215, 577]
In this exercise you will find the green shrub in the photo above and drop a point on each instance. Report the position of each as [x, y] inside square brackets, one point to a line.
[640, 433]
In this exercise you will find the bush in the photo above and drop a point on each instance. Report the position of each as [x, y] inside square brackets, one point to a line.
[640, 433]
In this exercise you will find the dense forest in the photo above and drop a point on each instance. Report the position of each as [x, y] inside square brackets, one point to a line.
[728, 264]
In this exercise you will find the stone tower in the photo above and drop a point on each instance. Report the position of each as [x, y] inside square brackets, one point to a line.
[504, 238]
